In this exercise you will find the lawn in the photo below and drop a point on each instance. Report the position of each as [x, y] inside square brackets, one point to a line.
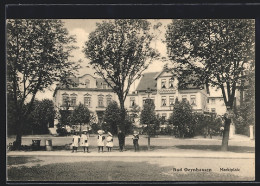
[116, 170]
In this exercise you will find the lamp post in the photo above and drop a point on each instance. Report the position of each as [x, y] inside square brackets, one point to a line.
[148, 100]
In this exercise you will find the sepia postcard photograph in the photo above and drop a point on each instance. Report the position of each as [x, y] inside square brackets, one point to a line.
[103, 100]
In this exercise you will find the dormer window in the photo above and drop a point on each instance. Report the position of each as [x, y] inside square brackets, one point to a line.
[171, 83]
[87, 83]
[132, 101]
[163, 83]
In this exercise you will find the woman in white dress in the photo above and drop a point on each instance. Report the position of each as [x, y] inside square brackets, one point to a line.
[75, 142]
[109, 142]
[100, 140]
[84, 141]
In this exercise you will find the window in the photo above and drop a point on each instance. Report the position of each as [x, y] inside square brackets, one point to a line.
[87, 83]
[109, 99]
[132, 101]
[100, 101]
[171, 100]
[73, 101]
[208, 100]
[164, 115]
[65, 99]
[152, 99]
[163, 100]
[87, 101]
[144, 99]
[213, 110]
[163, 83]
[171, 83]
[104, 86]
[193, 99]
[184, 98]
[213, 101]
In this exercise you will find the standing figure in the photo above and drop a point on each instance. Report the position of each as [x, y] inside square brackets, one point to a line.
[109, 142]
[84, 141]
[121, 139]
[221, 130]
[75, 142]
[100, 140]
[135, 140]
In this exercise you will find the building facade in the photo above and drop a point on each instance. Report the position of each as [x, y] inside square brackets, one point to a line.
[161, 87]
[91, 91]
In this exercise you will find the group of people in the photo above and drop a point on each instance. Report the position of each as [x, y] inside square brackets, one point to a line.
[102, 140]
[80, 141]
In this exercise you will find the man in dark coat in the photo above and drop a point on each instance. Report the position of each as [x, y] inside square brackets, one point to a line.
[121, 139]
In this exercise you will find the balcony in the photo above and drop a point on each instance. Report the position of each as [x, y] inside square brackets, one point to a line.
[167, 91]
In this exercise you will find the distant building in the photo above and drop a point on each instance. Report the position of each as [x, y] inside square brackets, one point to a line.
[93, 92]
[215, 101]
[163, 88]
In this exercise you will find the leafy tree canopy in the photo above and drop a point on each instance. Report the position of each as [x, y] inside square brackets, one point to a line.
[112, 117]
[148, 115]
[119, 51]
[80, 115]
[38, 52]
[218, 50]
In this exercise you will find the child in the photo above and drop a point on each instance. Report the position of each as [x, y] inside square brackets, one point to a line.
[75, 142]
[109, 142]
[84, 141]
[100, 141]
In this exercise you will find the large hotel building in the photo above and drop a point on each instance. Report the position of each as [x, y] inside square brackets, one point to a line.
[162, 87]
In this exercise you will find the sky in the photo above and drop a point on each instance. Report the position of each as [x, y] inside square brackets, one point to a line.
[81, 28]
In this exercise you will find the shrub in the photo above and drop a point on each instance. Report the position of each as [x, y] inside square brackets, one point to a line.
[182, 119]
[61, 130]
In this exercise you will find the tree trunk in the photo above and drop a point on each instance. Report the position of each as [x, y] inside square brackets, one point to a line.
[225, 138]
[148, 132]
[18, 141]
[123, 115]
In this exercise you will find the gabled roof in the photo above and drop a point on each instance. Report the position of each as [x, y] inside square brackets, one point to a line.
[147, 81]
[160, 73]
[87, 75]
[101, 82]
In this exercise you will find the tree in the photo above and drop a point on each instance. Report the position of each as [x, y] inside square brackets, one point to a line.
[10, 116]
[41, 117]
[216, 51]
[182, 119]
[64, 116]
[119, 50]
[148, 117]
[38, 54]
[244, 115]
[112, 117]
[80, 115]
